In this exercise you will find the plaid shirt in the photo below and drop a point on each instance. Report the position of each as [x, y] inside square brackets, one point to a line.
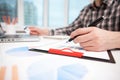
[109, 9]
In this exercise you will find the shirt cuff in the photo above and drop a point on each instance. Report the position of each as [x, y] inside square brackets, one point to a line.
[52, 32]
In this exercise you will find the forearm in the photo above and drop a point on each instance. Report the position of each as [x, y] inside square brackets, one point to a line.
[65, 30]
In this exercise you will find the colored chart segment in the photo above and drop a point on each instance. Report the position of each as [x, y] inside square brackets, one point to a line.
[21, 52]
[50, 71]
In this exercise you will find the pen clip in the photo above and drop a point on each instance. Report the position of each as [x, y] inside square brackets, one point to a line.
[66, 52]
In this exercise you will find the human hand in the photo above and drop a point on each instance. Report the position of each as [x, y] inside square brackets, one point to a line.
[9, 21]
[10, 24]
[95, 39]
[38, 31]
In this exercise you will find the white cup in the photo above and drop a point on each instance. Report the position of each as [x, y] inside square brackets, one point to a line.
[10, 29]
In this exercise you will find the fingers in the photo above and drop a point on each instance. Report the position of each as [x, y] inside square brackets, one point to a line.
[83, 38]
[90, 48]
[90, 38]
[8, 21]
[87, 44]
[4, 18]
[34, 31]
[85, 35]
[92, 45]
[38, 31]
[93, 48]
[33, 28]
[81, 31]
[14, 21]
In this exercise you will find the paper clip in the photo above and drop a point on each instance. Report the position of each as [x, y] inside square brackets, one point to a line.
[66, 52]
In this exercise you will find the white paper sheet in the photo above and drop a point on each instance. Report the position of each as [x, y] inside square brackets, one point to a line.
[61, 44]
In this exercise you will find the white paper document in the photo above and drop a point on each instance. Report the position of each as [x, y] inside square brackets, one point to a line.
[75, 47]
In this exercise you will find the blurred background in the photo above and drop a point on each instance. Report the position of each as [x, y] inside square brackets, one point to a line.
[42, 13]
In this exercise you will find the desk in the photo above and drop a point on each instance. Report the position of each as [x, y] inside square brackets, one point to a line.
[95, 70]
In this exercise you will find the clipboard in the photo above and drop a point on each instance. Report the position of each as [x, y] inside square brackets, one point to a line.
[75, 54]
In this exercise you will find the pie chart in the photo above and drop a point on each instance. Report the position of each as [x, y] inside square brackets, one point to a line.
[21, 52]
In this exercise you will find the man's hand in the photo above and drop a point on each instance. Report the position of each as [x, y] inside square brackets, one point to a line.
[39, 31]
[95, 39]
